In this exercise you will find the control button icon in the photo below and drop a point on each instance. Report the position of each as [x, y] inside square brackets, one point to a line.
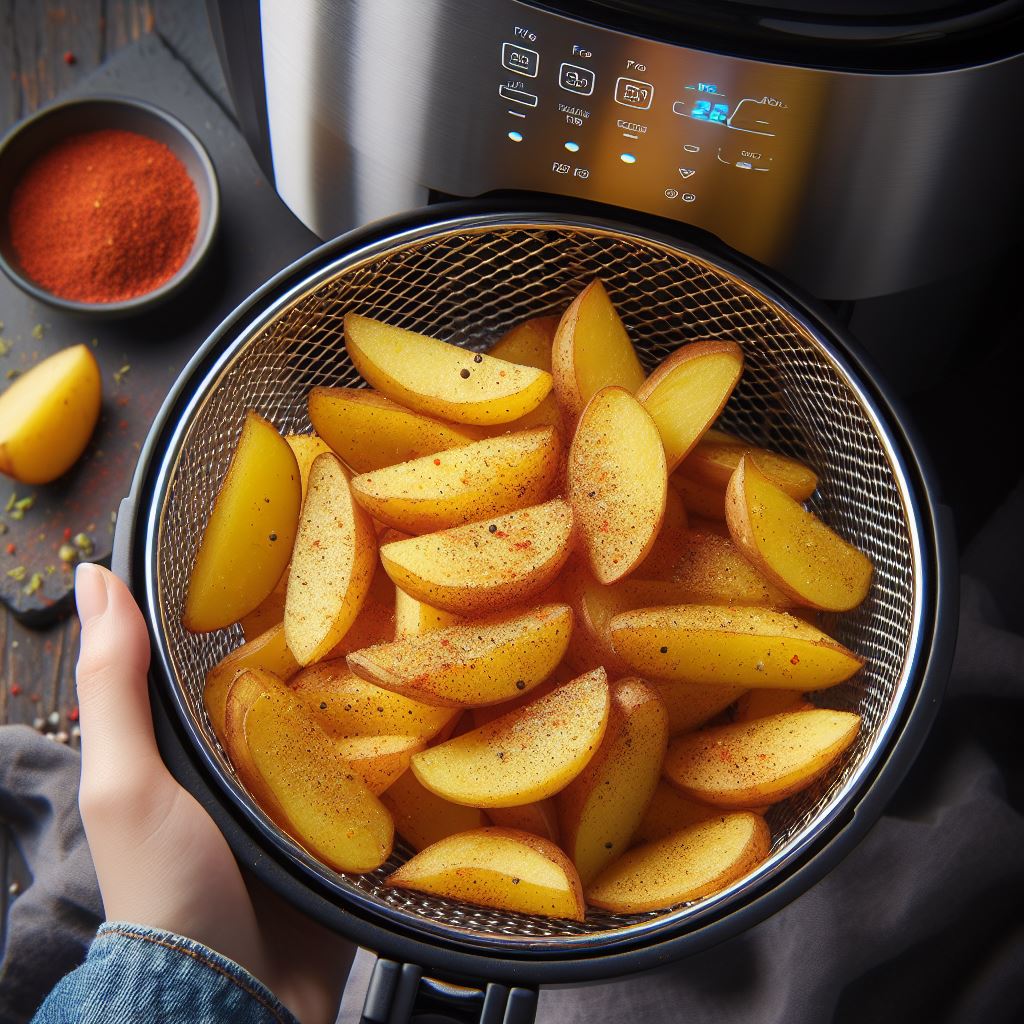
[576, 79]
[671, 193]
[629, 92]
[687, 172]
[688, 197]
[692, 149]
[528, 99]
[520, 60]
[560, 168]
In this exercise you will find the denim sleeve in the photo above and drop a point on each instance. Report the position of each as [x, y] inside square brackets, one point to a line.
[136, 974]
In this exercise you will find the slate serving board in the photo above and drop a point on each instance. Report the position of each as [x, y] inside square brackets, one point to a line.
[257, 236]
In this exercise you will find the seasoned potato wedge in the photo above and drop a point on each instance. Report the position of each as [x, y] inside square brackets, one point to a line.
[267, 652]
[332, 566]
[529, 754]
[746, 764]
[464, 485]
[421, 818]
[438, 379]
[413, 618]
[375, 623]
[528, 343]
[690, 705]
[539, 818]
[716, 456]
[305, 448]
[599, 811]
[481, 716]
[594, 606]
[762, 703]
[592, 351]
[482, 567]
[345, 705]
[748, 647]
[699, 860]
[669, 811]
[379, 760]
[616, 483]
[369, 431]
[497, 867]
[483, 662]
[672, 534]
[270, 611]
[700, 499]
[685, 394]
[249, 535]
[793, 547]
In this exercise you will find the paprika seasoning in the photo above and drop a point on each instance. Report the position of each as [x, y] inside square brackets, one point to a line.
[104, 216]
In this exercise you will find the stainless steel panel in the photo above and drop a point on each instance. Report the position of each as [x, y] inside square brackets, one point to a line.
[853, 185]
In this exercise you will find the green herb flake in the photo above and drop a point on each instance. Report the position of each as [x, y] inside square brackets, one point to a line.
[37, 332]
[67, 553]
[11, 374]
[5, 345]
[24, 504]
[119, 375]
[10, 501]
[83, 542]
[17, 514]
[34, 584]
[19, 572]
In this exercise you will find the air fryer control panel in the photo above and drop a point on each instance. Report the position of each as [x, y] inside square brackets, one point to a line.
[851, 184]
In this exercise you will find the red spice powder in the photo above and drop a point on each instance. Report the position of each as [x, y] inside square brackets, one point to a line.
[104, 216]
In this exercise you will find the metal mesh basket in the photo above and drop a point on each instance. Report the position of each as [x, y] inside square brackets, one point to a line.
[468, 281]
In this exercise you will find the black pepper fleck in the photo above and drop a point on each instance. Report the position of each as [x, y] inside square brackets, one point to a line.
[273, 536]
[477, 359]
[463, 373]
[591, 494]
[664, 650]
[520, 684]
[323, 705]
[607, 846]
[492, 528]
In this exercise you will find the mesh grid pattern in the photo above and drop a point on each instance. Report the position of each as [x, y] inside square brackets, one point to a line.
[469, 286]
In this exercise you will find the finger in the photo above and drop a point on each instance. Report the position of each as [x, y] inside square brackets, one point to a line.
[113, 700]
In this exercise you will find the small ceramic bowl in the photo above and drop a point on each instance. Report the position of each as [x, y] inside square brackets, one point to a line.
[34, 136]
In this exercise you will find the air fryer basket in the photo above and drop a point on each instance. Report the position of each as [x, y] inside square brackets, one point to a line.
[468, 280]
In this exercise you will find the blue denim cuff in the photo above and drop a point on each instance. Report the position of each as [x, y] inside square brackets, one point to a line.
[134, 973]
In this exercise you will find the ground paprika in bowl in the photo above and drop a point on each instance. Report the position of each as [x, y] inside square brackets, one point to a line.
[108, 205]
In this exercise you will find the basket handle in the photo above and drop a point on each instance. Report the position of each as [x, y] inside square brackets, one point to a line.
[400, 994]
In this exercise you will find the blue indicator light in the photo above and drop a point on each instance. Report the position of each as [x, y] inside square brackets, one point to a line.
[704, 111]
[720, 112]
[701, 110]
[573, 147]
[516, 136]
[706, 87]
[627, 158]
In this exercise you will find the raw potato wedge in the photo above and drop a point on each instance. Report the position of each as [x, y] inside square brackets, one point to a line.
[483, 662]
[539, 818]
[379, 760]
[747, 764]
[48, 415]
[438, 379]
[669, 811]
[345, 705]
[332, 565]
[464, 485]
[327, 807]
[685, 394]
[269, 613]
[267, 652]
[482, 567]
[421, 818]
[305, 448]
[413, 618]
[529, 754]
[616, 483]
[497, 867]
[690, 705]
[762, 703]
[697, 861]
[249, 536]
[592, 351]
[599, 811]
[792, 547]
[750, 647]
[528, 343]
[716, 456]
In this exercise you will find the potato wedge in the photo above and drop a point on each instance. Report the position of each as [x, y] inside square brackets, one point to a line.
[421, 818]
[305, 448]
[599, 811]
[379, 760]
[48, 415]
[592, 351]
[480, 480]
[438, 379]
[669, 812]
[369, 431]
[481, 716]
[685, 394]
[482, 567]
[750, 647]
[697, 861]
[762, 703]
[375, 623]
[616, 483]
[345, 705]
[528, 343]
[332, 566]
[759, 762]
[267, 652]
[699, 498]
[539, 818]
[270, 612]
[672, 534]
[414, 618]
[792, 547]
[497, 867]
[529, 754]
[482, 662]
[327, 808]
[717, 454]
[594, 606]
[249, 536]
[690, 705]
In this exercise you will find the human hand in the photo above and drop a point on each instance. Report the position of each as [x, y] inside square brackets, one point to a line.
[160, 859]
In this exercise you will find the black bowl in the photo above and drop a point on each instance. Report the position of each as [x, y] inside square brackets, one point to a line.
[34, 136]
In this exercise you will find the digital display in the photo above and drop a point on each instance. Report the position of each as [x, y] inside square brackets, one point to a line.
[706, 110]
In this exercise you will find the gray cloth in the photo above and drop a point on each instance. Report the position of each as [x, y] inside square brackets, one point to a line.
[52, 920]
